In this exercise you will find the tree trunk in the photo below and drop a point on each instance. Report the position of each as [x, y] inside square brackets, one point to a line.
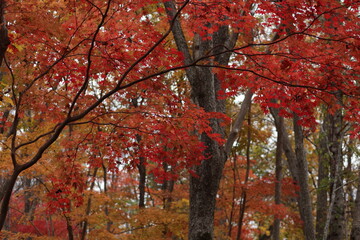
[288, 151]
[106, 210]
[204, 86]
[234, 197]
[141, 165]
[278, 175]
[167, 188]
[88, 206]
[142, 181]
[337, 209]
[30, 201]
[4, 43]
[243, 190]
[355, 230]
[4, 39]
[204, 187]
[69, 228]
[302, 165]
[337, 222]
[299, 171]
[323, 180]
[7, 195]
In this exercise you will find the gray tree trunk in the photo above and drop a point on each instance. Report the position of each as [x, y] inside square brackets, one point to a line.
[323, 180]
[205, 85]
[243, 189]
[299, 171]
[278, 175]
[337, 209]
[302, 165]
[355, 230]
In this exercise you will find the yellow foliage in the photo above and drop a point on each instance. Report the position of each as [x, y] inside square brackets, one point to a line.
[158, 223]
[101, 234]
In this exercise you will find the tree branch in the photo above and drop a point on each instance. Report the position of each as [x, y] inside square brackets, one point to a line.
[236, 126]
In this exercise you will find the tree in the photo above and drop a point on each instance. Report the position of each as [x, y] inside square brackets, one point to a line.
[98, 88]
[61, 65]
[216, 39]
[4, 39]
[205, 87]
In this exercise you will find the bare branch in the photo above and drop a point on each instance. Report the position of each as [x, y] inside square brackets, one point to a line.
[236, 126]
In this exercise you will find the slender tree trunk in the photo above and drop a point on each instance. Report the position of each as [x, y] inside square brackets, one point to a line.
[30, 201]
[167, 188]
[4, 43]
[299, 171]
[337, 220]
[323, 180]
[141, 165]
[243, 190]
[142, 181]
[349, 169]
[232, 211]
[355, 230]
[278, 176]
[288, 151]
[106, 210]
[69, 228]
[302, 165]
[4, 39]
[88, 207]
[51, 230]
[7, 195]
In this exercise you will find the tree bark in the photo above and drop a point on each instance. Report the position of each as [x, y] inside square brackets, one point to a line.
[288, 151]
[302, 165]
[142, 181]
[355, 230]
[106, 210]
[167, 188]
[30, 200]
[234, 197]
[336, 223]
[4, 38]
[7, 195]
[141, 165]
[88, 206]
[236, 126]
[323, 180]
[69, 228]
[204, 187]
[243, 190]
[4, 43]
[299, 171]
[278, 176]
[204, 86]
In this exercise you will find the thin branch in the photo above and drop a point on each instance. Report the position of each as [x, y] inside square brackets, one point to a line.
[102, 14]
[36, 139]
[31, 221]
[236, 126]
[118, 86]
[89, 61]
